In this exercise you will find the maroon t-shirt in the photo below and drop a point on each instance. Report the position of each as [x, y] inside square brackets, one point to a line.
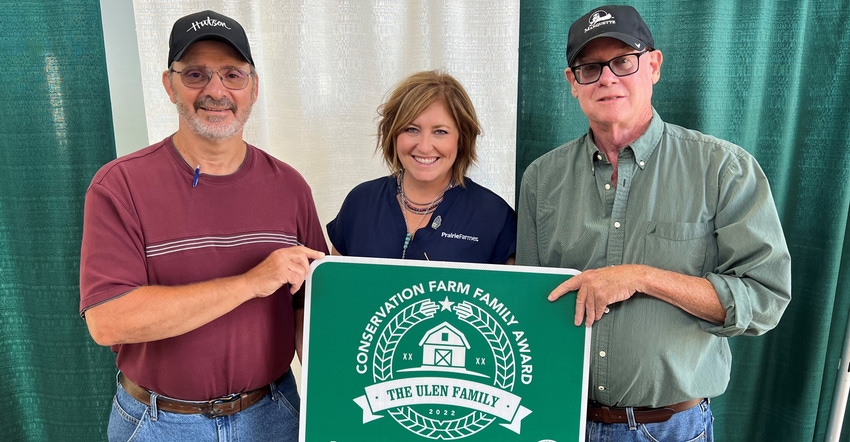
[145, 224]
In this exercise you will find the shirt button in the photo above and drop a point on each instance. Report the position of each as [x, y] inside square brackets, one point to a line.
[599, 157]
[607, 310]
[601, 388]
[642, 164]
[616, 224]
[602, 354]
[607, 187]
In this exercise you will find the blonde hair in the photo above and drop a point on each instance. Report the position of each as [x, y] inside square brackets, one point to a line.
[410, 98]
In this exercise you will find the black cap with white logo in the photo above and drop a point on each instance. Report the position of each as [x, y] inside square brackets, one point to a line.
[207, 25]
[620, 22]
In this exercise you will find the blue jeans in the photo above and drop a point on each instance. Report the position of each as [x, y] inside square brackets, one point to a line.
[273, 418]
[694, 424]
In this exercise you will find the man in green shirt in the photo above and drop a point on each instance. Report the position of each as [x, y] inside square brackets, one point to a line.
[676, 233]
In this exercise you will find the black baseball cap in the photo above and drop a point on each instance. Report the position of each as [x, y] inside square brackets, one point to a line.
[207, 25]
[620, 22]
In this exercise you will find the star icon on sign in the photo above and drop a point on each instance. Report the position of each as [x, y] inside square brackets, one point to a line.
[447, 305]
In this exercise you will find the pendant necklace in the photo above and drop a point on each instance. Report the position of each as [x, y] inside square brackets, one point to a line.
[409, 236]
[410, 206]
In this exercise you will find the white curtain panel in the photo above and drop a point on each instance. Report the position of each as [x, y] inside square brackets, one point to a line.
[325, 66]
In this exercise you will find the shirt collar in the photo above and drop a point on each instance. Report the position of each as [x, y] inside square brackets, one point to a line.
[643, 147]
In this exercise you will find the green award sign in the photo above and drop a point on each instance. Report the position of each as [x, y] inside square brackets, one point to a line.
[416, 351]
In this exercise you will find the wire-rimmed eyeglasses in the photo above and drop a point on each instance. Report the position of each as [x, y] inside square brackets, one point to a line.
[620, 66]
[196, 77]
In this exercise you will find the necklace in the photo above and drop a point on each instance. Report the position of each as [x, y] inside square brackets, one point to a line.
[410, 206]
[409, 236]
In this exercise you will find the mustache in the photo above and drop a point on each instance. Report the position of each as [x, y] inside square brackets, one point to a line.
[210, 102]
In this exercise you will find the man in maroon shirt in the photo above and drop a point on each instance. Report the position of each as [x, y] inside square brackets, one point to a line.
[194, 254]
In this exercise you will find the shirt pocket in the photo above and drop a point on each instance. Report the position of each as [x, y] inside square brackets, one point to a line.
[679, 247]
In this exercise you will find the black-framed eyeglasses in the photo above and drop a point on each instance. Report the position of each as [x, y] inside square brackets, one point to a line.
[620, 66]
[196, 77]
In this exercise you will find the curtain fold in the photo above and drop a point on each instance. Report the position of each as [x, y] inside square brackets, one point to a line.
[771, 77]
[55, 382]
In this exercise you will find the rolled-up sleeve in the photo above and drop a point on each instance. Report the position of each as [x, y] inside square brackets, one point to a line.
[753, 274]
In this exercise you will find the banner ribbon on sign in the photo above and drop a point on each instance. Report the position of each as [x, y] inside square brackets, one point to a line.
[443, 391]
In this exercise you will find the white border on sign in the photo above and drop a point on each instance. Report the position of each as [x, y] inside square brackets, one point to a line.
[305, 350]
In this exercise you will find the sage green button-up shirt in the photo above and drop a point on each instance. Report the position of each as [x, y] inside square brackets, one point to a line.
[685, 202]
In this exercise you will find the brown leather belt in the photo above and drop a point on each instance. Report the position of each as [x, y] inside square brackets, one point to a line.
[223, 406]
[643, 415]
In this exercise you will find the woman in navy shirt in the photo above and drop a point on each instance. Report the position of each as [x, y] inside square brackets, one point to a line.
[427, 208]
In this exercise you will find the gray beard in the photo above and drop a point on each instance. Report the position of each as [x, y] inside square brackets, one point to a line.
[212, 129]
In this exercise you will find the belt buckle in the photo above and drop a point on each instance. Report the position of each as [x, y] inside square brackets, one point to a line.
[215, 409]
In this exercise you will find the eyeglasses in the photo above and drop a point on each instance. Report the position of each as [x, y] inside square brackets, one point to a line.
[196, 77]
[620, 66]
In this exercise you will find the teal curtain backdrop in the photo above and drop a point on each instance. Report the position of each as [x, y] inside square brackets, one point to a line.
[771, 76]
[56, 384]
